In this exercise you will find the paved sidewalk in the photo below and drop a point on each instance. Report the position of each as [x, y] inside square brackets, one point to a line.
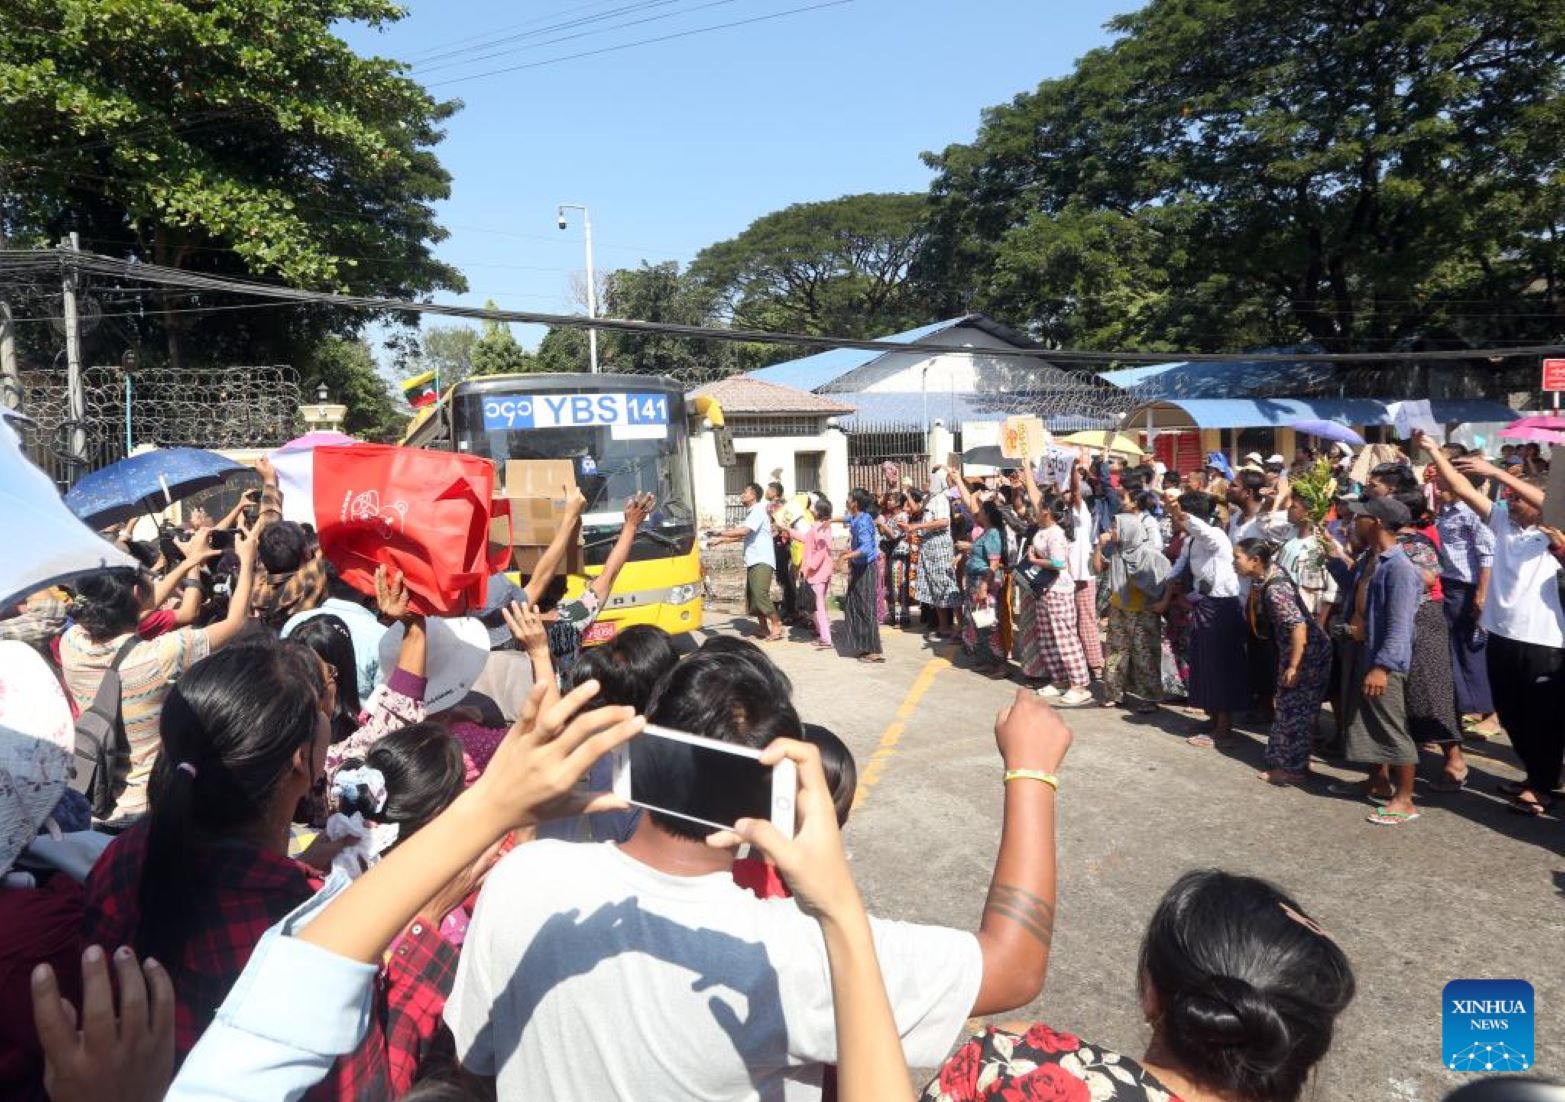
[1469, 890]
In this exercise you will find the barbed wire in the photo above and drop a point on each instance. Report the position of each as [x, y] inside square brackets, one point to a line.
[252, 406]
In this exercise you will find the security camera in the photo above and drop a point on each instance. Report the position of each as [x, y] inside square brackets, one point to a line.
[562, 222]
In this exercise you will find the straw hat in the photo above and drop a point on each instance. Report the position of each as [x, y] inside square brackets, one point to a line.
[37, 746]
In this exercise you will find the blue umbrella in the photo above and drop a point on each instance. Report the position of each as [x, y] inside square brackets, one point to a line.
[145, 483]
[1329, 430]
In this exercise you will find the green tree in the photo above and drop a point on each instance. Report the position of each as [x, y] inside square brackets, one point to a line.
[496, 352]
[235, 137]
[1234, 172]
[662, 293]
[447, 349]
[347, 368]
[565, 350]
[836, 268]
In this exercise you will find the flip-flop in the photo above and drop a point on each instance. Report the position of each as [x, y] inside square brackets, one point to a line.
[1449, 784]
[1202, 741]
[1383, 818]
[1534, 808]
[1145, 709]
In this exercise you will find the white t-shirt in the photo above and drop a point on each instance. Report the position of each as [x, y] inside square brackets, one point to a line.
[1081, 543]
[1050, 545]
[1524, 598]
[589, 975]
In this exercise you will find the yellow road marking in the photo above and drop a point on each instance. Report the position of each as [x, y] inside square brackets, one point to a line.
[892, 736]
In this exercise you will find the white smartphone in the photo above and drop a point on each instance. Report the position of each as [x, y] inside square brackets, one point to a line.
[655, 769]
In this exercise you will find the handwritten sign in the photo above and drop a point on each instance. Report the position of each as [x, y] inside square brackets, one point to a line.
[1023, 436]
[1056, 466]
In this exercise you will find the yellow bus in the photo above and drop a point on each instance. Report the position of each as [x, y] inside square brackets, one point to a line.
[624, 434]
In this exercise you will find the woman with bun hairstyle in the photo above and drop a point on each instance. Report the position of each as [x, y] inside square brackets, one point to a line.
[1241, 988]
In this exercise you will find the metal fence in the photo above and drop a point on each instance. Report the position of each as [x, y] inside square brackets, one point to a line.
[211, 407]
[874, 445]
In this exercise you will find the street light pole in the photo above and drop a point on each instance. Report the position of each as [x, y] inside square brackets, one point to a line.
[592, 286]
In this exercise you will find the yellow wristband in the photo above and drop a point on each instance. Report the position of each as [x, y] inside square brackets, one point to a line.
[1032, 775]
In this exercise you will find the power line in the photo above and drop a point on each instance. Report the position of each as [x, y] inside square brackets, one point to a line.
[96, 264]
[478, 39]
[459, 58]
[641, 42]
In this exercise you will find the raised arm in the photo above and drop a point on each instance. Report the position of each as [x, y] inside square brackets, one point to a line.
[1523, 489]
[196, 550]
[246, 544]
[1461, 486]
[869, 1052]
[637, 509]
[1017, 928]
[553, 555]
[1030, 482]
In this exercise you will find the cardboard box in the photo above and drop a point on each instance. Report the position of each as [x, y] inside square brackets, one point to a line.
[535, 491]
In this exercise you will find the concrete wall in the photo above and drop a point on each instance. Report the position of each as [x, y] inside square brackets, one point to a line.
[766, 456]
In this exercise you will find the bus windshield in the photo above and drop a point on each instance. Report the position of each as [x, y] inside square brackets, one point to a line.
[609, 469]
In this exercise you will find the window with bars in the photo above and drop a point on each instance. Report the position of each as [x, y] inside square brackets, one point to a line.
[798, 425]
[735, 479]
[807, 472]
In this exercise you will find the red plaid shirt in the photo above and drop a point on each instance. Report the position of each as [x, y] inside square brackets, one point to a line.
[247, 891]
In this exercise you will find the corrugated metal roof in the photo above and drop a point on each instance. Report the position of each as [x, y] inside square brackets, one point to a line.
[739, 394]
[906, 408]
[1236, 378]
[1237, 413]
[824, 368]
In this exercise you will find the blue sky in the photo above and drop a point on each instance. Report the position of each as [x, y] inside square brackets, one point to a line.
[677, 144]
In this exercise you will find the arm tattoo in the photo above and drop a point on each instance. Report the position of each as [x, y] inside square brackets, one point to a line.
[1031, 912]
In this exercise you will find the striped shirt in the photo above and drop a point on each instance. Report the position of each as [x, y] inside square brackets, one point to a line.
[146, 676]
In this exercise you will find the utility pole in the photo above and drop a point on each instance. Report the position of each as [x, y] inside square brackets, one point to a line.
[592, 285]
[76, 399]
[10, 377]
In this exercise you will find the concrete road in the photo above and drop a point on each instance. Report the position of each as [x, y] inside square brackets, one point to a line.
[1469, 890]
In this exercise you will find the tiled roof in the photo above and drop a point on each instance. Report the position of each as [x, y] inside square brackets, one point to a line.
[740, 394]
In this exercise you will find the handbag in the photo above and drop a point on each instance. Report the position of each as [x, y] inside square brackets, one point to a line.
[983, 618]
[424, 513]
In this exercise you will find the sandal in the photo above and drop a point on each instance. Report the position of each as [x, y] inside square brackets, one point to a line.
[1448, 783]
[1146, 708]
[1382, 818]
[1202, 741]
[872, 658]
[1535, 808]
[825, 646]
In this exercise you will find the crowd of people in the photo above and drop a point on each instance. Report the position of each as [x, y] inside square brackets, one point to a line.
[1419, 601]
[308, 859]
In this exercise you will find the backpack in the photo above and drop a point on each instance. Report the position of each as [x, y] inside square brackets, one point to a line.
[102, 750]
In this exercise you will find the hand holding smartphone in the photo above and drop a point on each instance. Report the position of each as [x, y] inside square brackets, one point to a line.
[705, 780]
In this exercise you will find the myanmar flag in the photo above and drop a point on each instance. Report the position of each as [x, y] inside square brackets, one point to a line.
[420, 390]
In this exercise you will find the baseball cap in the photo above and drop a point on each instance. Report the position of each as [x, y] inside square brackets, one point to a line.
[1253, 457]
[1276, 461]
[1387, 510]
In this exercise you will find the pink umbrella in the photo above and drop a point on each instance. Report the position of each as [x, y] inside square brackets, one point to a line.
[320, 439]
[1542, 428]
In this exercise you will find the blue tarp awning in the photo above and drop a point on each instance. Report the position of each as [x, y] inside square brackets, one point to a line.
[1243, 413]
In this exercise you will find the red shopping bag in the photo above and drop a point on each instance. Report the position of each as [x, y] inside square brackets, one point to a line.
[425, 513]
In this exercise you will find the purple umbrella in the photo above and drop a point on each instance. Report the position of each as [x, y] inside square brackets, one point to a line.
[1329, 430]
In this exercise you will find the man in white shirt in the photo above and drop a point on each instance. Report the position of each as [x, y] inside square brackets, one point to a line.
[760, 560]
[642, 971]
[1525, 622]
